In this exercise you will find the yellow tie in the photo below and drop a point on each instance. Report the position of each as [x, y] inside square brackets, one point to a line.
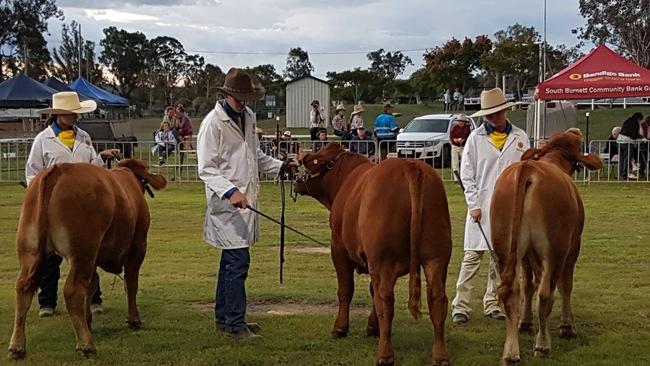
[67, 138]
[498, 139]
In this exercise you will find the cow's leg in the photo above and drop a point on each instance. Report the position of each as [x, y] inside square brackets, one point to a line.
[545, 295]
[436, 276]
[565, 285]
[384, 300]
[512, 306]
[345, 276]
[131, 278]
[25, 287]
[77, 301]
[528, 290]
[372, 329]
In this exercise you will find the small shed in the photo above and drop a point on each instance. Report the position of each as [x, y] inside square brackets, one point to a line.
[300, 93]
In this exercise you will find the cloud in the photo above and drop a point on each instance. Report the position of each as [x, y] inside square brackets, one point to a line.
[117, 16]
[104, 4]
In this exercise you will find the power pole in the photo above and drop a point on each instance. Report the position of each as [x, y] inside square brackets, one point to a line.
[79, 40]
[25, 57]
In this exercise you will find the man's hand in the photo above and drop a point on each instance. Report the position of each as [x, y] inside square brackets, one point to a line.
[238, 200]
[109, 153]
[476, 214]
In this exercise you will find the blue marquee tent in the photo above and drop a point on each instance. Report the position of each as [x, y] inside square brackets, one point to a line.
[101, 96]
[57, 84]
[23, 91]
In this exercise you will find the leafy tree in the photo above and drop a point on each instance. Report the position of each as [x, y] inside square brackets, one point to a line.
[66, 57]
[298, 64]
[124, 53]
[387, 66]
[268, 77]
[22, 24]
[170, 61]
[355, 85]
[622, 23]
[455, 63]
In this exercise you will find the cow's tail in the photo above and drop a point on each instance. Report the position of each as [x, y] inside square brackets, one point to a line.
[415, 282]
[509, 270]
[46, 185]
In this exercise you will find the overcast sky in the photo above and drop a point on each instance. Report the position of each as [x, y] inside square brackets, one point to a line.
[352, 26]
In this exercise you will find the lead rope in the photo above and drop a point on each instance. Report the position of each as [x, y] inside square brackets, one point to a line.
[282, 225]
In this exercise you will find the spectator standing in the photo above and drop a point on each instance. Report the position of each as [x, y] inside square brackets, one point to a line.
[338, 122]
[362, 144]
[456, 98]
[355, 118]
[489, 150]
[611, 147]
[185, 129]
[447, 100]
[386, 124]
[626, 145]
[458, 135]
[461, 102]
[287, 146]
[316, 119]
[165, 142]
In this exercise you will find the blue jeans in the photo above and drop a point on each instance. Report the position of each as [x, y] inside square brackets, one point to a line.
[48, 283]
[626, 154]
[230, 305]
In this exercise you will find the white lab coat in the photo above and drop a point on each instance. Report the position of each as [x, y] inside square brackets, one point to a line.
[227, 160]
[481, 165]
[48, 150]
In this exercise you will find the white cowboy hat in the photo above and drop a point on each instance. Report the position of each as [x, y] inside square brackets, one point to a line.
[68, 102]
[461, 117]
[340, 107]
[492, 101]
[287, 133]
[259, 130]
[358, 108]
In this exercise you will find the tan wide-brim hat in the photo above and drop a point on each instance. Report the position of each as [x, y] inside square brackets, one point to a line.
[358, 108]
[240, 85]
[340, 107]
[492, 101]
[67, 103]
[462, 117]
[259, 131]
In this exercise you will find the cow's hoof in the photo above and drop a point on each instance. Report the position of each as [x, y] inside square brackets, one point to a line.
[526, 327]
[372, 332]
[511, 359]
[542, 351]
[568, 331]
[87, 350]
[17, 353]
[339, 333]
[441, 363]
[134, 324]
[385, 362]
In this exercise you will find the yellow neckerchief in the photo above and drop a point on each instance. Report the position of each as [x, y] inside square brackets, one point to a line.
[67, 138]
[498, 139]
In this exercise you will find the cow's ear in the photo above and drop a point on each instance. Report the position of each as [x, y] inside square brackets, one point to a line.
[140, 169]
[533, 153]
[590, 161]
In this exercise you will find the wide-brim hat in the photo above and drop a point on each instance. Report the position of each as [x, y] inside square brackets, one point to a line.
[492, 101]
[240, 85]
[67, 103]
[340, 107]
[287, 133]
[462, 117]
[358, 108]
[258, 130]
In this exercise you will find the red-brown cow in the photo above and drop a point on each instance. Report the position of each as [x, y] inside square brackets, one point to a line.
[388, 220]
[537, 220]
[93, 217]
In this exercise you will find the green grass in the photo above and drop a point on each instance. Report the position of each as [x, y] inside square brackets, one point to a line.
[610, 300]
[601, 121]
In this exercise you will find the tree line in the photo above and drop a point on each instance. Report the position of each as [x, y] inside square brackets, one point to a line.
[159, 71]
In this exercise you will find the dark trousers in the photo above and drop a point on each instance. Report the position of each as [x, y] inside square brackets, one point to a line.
[230, 305]
[625, 158]
[48, 283]
[164, 151]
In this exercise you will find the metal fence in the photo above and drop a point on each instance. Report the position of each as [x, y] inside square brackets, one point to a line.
[623, 162]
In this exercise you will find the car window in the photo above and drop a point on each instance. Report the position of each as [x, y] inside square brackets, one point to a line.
[428, 125]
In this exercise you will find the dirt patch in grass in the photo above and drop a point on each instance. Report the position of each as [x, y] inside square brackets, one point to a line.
[287, 309]
[318, 250]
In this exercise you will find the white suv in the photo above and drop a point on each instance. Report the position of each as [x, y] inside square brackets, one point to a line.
[427, 137]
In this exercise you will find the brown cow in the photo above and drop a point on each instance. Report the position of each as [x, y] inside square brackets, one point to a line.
[93, 217]
[387, 220]
[537, 220]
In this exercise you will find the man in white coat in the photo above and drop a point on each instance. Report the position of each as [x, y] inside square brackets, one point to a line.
[229, 162]
[489, 150]
[62, 142]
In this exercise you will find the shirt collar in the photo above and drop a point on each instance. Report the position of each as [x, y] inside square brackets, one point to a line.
[234, 115]
[489, 128]
[57, 129]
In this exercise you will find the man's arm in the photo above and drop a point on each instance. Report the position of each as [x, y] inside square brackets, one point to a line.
[468, 175]
[207, 152]
[35, 163]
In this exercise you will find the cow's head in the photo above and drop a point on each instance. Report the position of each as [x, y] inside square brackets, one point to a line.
[141, 171]
[322, 172]
[564, 150]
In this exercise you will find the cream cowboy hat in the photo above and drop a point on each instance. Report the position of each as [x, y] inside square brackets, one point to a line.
[67, 103]
[492, 101]
[462, 117]
[340, 107]
[358, 108]
[259, 131]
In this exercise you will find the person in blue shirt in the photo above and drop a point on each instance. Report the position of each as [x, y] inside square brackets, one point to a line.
[385, 128]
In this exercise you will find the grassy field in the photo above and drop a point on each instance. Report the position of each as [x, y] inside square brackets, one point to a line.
[601, 121]
[611, 294]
